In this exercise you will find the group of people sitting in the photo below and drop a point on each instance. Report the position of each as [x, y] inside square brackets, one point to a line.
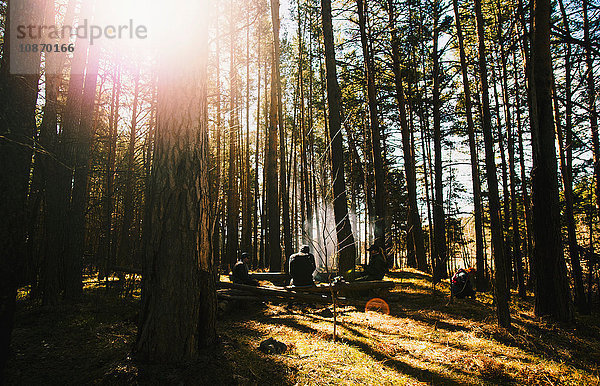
[302, 267]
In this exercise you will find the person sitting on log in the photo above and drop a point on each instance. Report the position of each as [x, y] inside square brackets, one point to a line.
[302, 266]
[377, 267]
[239, 274]
[461, 285]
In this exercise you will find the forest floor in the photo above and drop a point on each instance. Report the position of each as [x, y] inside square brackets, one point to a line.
[424, 340]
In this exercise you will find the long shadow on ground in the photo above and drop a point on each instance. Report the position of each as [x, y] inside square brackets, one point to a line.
[562, 343]
[90, 343]
[421, 375]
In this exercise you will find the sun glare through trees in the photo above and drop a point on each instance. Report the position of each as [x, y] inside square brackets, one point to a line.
[299, 191]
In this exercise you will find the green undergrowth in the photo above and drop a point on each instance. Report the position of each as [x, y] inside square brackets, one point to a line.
[424, 340]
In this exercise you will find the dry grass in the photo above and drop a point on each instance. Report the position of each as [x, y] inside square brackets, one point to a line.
[424, 340]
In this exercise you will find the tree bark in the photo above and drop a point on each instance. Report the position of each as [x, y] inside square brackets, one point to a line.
[415, 231]
[515, 240]
[591, 94]
[565, 150]
[481, 280]
[505, 188]
[524, 194]
[345, 238]
[50, 166]
[216, 195]
[246, 241]
[233, 198]
[378, 162]
[80, 193]
[551, 289]
[501, 287]
[528, 77]
[256, 158]
[128, 197]
[273, 247]
[440, 250]
[71, 147]
[283, 181]
[179, 295]
[106, 239]
[17, 123]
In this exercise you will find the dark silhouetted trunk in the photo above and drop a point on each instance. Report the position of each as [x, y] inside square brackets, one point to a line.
[415, 231]
[128, 196]
[273, 245]
[233, 197]
[283, 180]
[345, 238]
[505, 188]
[515, 243]
[481, 280]
[378, 163]
[17, 124]
[106, 240]
[551, 289]
[565, 150]
[440, 252]
[591, 94]
[501, 286]
[246, 241]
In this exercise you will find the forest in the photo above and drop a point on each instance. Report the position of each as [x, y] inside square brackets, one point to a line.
[146, 145]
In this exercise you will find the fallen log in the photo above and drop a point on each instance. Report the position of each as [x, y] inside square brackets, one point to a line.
[344, 286]
[290, 294]
[246, 298]
[137, 271]
[277, 278]
[268, 275]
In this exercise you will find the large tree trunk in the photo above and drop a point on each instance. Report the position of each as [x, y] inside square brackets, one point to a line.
[551, 289]
[17, 124]
[345, 238]
[49, 167]
[415, 231]
[501, 287]
[481, 280]
[43, 243]
[179, 295]
[74, 148]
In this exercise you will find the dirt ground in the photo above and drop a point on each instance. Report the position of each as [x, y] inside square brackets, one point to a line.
[424, 340]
